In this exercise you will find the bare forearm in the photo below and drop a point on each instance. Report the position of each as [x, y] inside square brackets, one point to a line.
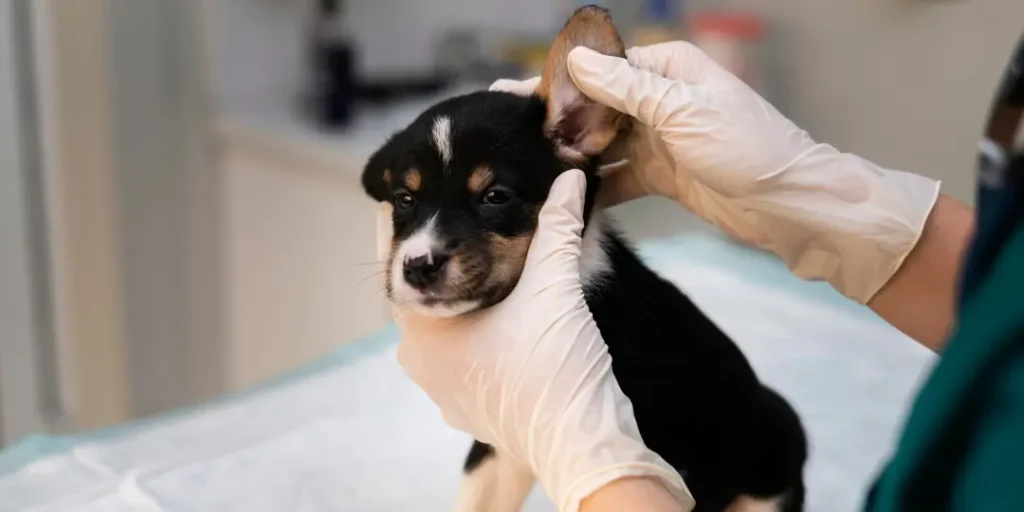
[640, 494]
[920, 298]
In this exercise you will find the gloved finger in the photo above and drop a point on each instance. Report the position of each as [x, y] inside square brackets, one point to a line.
[613, 82]
[560, 224]
[619, 186]
[419, 328]
[520, 87]
[434, 369]
[678, 60]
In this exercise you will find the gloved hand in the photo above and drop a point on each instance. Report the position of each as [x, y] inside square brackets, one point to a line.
[532, 375]
[710, 142]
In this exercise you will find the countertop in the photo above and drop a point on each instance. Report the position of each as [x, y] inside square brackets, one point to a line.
[279, 127]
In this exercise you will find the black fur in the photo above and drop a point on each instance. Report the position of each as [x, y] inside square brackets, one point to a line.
[697, 401]
[477, 454]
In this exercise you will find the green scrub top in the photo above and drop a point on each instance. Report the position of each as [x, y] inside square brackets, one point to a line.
[962, 448]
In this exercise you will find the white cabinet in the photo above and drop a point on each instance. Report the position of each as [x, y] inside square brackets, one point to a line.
[299, 247]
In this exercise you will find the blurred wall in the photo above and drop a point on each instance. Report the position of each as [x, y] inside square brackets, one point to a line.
[22, 407]
[132, 207]
[255, 48]
[258, 45]
[399, 36]
[84, 226]
[906, 83]
[168, 198]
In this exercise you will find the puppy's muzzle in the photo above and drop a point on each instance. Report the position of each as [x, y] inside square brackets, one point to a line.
[423, 271]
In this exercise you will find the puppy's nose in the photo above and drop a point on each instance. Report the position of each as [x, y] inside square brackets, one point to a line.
[423, 271]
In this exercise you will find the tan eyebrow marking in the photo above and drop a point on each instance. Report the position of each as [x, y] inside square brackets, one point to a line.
[480, 178]
[413, 180]
[387, 176]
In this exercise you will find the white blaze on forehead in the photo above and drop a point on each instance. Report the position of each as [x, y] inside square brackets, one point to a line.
[423, 242]
[441, 134]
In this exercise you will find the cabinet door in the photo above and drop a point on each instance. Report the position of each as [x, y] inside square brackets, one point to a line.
[300, 253]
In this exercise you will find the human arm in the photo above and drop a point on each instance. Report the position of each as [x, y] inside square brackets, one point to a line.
[882, 237]
[920, 298]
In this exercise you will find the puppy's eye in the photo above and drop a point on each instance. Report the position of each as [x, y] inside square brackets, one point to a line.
[497, 195]
[404, 200]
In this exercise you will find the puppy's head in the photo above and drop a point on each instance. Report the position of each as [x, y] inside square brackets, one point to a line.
[468, 177]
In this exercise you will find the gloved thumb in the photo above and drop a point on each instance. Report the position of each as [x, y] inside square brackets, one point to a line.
[556, 242]
[613, 82]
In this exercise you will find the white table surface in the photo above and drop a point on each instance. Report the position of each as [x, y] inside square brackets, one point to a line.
[354, 434]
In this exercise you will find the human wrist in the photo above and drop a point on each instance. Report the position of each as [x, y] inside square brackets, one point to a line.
[596, 441]
[633, 493]
[608, 472]
[920, 299]
[840, 218]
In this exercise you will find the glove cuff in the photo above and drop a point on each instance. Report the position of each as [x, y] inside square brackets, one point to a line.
[840, 218]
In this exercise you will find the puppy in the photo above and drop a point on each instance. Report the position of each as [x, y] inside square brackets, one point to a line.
[466, 180]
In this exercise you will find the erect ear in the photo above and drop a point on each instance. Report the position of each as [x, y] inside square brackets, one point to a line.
[377, 173]
[580, 127]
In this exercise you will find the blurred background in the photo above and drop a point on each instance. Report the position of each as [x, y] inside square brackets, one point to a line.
[180, 210]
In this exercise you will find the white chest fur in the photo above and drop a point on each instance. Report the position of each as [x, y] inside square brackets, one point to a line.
[595, 264]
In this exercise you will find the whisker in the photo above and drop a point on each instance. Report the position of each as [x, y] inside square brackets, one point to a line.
[368, 263]
[371, 276]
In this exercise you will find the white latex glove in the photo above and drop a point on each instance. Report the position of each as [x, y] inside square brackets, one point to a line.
[710, 142]
[532, 375]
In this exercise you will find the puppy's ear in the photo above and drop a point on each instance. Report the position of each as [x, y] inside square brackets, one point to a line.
[580, 127]
[377, 173]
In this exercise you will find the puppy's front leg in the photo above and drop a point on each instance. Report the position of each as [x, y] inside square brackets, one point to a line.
[493, 482]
